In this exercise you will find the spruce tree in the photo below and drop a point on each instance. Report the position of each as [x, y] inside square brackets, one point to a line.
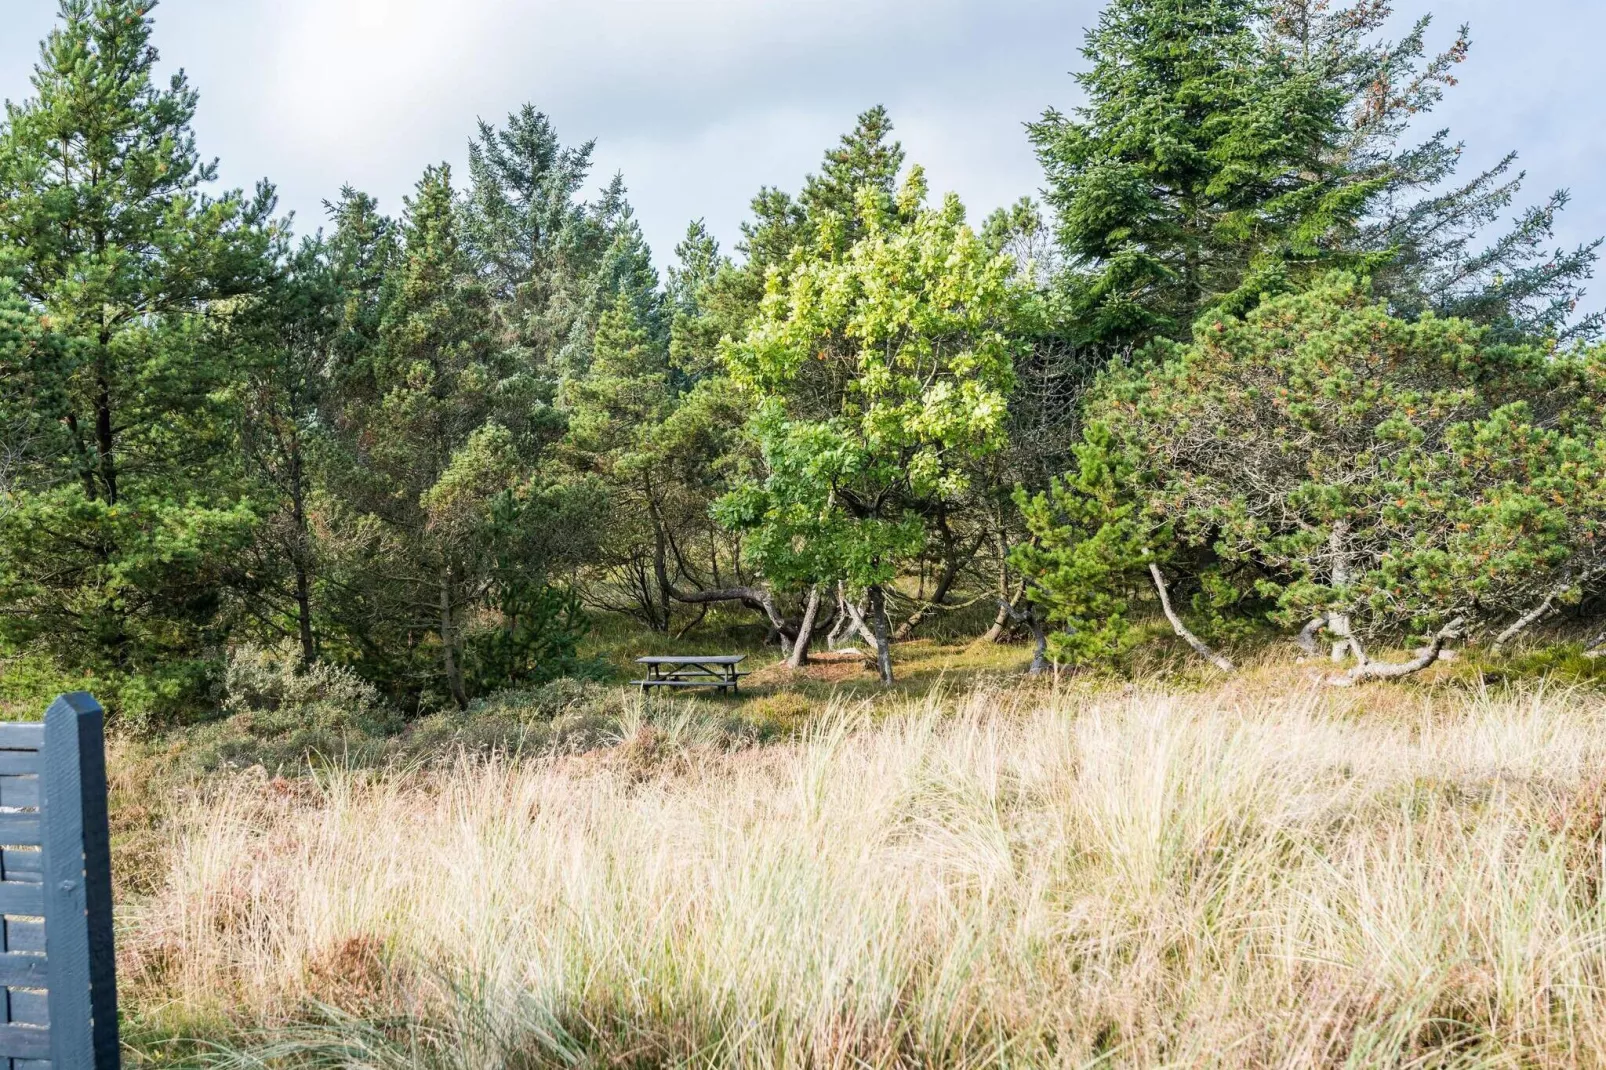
[446, 427]
[529, 231]
[1195, 174]
[1233, 148]
[1430, 231]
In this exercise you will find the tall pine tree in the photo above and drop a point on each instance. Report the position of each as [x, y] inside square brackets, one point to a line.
[118, 552]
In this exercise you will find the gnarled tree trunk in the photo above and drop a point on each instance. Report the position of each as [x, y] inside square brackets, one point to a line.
[1307, 635]
[1030, 618]
[1377, 670]
[805, 632]
[1338, 624]
[1529, 619]
[883, 632]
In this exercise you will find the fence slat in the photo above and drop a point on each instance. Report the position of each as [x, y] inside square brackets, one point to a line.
[19, 898]
[77, 885]
[25, 1042]
[25, 935]
[20, 830]
[24, 866]
[22, 971]
[19, 791]
[29, 1008]
[29, 736]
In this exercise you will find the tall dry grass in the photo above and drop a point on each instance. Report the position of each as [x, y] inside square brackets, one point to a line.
[999, 880]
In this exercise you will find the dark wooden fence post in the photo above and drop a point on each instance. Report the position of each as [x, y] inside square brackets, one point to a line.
[58, 986]
[77, 861]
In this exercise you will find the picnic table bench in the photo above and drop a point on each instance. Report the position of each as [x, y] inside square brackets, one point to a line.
[718, 670]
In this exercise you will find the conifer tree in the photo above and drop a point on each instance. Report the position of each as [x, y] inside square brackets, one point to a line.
[695, 324]
[866, 159]
[120, 546]
[1194, 176]
[1231, 148]
[283, 344]
[448, 430]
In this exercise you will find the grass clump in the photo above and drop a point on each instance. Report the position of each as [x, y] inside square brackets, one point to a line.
[1007, 877]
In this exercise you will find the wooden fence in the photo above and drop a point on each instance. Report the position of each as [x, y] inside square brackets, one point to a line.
[56, 964]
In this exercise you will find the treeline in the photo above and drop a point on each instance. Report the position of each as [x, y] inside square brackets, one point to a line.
[1260, 358]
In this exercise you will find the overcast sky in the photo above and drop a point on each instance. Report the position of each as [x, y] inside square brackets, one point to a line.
[699, 102]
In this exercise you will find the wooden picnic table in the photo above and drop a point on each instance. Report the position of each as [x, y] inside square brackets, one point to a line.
[714, 670]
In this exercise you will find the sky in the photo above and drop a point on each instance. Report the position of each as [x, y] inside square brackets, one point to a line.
[700, 102]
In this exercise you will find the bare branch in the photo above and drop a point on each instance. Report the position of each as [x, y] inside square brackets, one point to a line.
[1307, 635]
[1380, 670]
[1199, 646]
[1529, 619]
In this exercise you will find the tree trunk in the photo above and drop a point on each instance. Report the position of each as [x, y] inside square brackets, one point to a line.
[298, 514]
[1528, 620]
[955, 559]
[1029, 617]
[1376, 670]
[883, 632]
[309, 642]
[86, 467]
[753, 597]
[857, 623]
[1338, 624]
[105, 436]
[1199, 646]
[995, 634]
[454, 673]
[843, 623]
[805, 632]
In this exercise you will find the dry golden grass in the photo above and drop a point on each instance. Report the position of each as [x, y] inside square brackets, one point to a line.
[1241, 877]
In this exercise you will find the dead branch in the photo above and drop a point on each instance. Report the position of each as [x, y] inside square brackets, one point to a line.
[1307, 635]
[1529, 619]
[1380, 670]
[1199, 646]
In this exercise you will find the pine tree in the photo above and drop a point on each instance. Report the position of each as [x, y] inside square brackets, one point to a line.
[537, 244]
[121, 544]
[284, 343]
[696, 320]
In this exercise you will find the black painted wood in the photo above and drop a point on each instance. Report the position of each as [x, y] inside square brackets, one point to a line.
[81, 967]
